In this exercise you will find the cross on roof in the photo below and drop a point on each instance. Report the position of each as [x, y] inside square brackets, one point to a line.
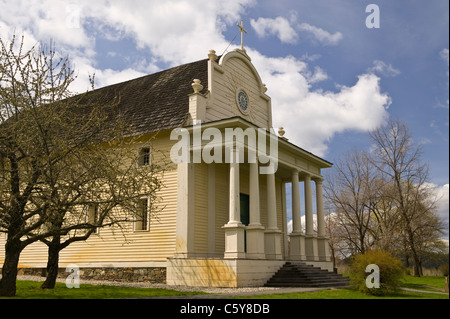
[241, 27]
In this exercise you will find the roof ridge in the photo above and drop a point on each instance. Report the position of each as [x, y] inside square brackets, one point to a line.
[151, 74]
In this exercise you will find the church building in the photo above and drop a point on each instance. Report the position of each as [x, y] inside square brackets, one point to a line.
[224, 222]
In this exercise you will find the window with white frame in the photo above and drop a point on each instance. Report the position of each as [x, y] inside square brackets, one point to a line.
[92, 216]
[144, 156]
[142, 215]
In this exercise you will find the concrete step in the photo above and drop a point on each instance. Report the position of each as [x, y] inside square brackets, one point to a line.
[308, 285]
[310, 279]
[303, 275]
[319, 277]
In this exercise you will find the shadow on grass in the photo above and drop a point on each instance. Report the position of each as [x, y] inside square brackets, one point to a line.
[31, 290]
[349, 294]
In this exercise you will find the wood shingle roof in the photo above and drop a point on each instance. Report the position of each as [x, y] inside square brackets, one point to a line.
[157, 101]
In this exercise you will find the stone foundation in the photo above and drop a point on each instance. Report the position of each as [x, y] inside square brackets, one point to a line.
[126, 274]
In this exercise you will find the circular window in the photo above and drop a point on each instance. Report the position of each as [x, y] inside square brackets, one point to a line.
[242, 101]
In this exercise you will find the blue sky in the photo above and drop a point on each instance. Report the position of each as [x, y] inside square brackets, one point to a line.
[330, 77]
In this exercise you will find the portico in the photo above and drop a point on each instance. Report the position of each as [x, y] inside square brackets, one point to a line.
[311, 245]
[233, 232]
[262, 240]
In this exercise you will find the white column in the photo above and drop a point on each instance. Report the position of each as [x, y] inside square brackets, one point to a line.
[310, 239]
[255, 231]
[297, 238]
[285, 234]
[234, 229]
[272, 234]
[255, 218]
[184, 247]
[271, 203]
[320, 214]
[308, 207]
[296, 216]
[322, 240]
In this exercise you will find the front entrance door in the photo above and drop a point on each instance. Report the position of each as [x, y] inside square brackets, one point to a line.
[245, 214]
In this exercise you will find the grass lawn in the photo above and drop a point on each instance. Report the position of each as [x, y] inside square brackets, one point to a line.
[348, 294]
[426, 283]
[31, 290]
[429, 283]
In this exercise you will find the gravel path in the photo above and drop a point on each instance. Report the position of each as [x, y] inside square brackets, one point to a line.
[425, 291]
[226, 291]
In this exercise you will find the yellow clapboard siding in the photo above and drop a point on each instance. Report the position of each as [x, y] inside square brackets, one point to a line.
[201, 209]
[110, 245]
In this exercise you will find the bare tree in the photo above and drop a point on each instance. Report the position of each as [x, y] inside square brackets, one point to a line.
[396, 157]
[27, 80]
[425, 225]
[337, 242]
[386, 225]
[349, 190]
[383, 199]
[58, 155]
[101, 190]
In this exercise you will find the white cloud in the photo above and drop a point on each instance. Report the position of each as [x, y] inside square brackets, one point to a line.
[445, 55]
[286, 33]
[440, 194]
[311, 118]
[176, 32]
[424, 141]
[279, 26]
[311, 58]
[442, 197]
[384, 69]
[318, 75]
[109, 76]
[46, 19]
[321, 35]
[303, 223]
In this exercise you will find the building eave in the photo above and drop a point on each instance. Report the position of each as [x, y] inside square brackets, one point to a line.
[285, 145]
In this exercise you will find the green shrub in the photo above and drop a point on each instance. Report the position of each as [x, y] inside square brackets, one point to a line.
[390, 271]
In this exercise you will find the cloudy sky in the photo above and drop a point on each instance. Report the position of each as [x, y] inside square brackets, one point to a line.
[330, 76]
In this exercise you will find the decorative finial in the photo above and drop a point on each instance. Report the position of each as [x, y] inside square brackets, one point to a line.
[197, 86]
[241, 27]
[212, 55]
[264, 88]
[281, 131]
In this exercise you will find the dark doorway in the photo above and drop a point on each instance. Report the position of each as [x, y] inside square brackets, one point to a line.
[245, 214]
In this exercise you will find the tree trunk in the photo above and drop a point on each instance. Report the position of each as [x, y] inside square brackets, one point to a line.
[333, 257]
[414, 255]
[416, 270]
[52, 264]
[416, 262]
[9, 270]
[420, 267]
